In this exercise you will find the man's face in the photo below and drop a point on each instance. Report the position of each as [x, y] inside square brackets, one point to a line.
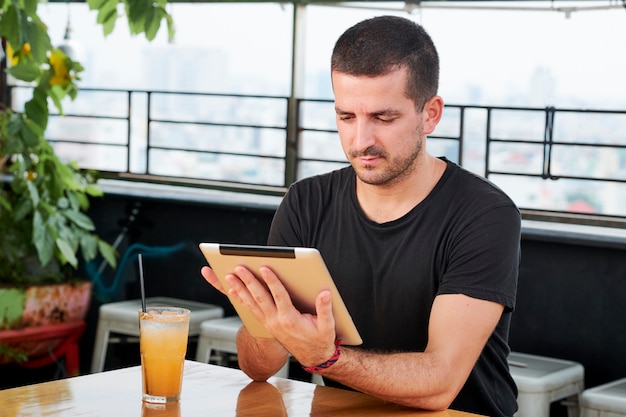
[380, 129]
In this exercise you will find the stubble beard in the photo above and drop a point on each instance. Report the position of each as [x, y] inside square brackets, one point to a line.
[399, 168]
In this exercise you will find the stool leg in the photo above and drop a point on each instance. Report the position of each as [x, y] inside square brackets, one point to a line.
[317, 379]
[100, 348]
[533, 405]
[573, 405]
[203, 350]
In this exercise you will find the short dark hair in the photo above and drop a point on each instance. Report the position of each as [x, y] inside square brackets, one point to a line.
[383, 44]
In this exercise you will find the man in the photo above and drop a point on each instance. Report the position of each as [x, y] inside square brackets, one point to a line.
[424, 253]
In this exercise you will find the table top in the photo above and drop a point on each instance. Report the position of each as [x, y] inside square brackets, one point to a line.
[207, 390]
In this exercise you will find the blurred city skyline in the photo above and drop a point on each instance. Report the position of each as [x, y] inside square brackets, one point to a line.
[488, 57]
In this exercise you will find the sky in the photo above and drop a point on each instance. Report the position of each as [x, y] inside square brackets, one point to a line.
[580, 58]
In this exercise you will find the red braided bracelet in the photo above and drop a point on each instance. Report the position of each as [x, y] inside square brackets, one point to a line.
[329, 362]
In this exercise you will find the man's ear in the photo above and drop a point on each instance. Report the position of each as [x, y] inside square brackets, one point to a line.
[433, 110]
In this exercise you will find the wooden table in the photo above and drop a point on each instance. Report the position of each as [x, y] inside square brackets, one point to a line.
[208, 391]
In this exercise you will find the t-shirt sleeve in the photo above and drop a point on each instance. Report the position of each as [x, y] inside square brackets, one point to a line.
[484, 257]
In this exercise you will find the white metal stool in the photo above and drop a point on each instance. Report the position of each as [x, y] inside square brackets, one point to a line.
[122, 317]
[541, 380]
[220, 335]
[607, 400]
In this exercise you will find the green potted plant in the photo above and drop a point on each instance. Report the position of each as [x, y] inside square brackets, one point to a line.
[45, 229]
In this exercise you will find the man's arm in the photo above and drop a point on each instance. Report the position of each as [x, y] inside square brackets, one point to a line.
[459, 327]
[458, 330]
[259, 358]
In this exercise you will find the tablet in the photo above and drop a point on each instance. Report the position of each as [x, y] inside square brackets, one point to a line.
[301, 270]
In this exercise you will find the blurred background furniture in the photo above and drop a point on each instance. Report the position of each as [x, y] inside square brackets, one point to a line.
[219, 337]
[122, 317]
[607, 400]
[542, 380]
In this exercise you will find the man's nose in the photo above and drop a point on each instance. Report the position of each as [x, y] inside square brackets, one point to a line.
[364, 135]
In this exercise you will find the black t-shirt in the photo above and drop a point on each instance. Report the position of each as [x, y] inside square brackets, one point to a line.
[463, 238]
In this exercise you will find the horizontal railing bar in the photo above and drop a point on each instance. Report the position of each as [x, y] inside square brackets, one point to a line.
[560, 143]
[558, 177]
[168, 121]
[253, 155]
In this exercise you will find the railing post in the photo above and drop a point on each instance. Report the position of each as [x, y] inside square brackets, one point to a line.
[547, 143]
[291, 151]
[148, 122]
[129, 113]
[297, 87]
[487, 142]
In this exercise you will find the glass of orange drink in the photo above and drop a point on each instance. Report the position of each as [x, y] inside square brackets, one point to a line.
[160, 410]
[163, 333]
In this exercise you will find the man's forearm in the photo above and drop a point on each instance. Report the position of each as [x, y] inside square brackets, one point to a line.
[259, 358]
[413, 379]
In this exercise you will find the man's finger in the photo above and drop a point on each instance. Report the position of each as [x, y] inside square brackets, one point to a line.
[324, 310]
[210, 277]
[281, 297]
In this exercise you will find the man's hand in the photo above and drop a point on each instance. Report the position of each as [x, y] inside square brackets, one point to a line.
[309, 338]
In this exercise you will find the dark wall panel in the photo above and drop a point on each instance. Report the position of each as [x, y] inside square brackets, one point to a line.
[572, 305]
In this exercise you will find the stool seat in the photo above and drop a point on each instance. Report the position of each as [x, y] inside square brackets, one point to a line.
[542, 380]
[122, 317]
[608, 400]
[221, 335]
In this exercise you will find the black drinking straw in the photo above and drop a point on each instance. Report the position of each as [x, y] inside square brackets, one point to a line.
[143, 291]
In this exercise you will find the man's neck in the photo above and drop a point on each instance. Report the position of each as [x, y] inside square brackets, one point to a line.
[385, 203]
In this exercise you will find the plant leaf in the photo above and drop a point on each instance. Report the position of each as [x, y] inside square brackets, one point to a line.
[43, 239]
[12, 301]
[67, 252]
[94, 190]
[136, 12]
[36, 109]
[95, 4]
[88, 246]
[31, 7]
[9, 26]
[107, 14]
[152, 22]
[26, 71]
[79, 219]
[35, 33]
[31, 133]
[33, 192]
[108, 252]
[22, 209]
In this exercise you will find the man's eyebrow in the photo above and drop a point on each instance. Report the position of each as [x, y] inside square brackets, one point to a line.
[383, 112]
[386, 112]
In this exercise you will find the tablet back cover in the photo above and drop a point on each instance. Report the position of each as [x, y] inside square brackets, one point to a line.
[301, 270]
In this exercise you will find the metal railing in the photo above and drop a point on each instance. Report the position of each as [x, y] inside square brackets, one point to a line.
[252, 143]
